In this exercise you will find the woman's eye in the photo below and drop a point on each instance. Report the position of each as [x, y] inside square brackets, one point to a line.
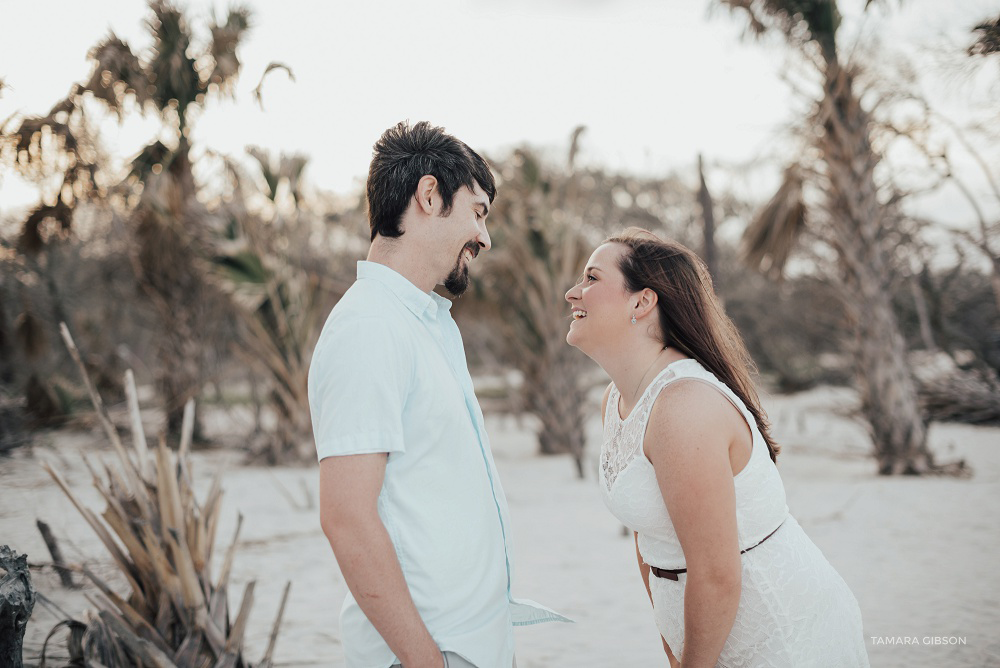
[590, 277]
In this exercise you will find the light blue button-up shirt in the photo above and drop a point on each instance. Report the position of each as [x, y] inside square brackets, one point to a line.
[389, 375]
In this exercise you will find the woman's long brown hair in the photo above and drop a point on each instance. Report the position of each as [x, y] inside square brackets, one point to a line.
[692, 319]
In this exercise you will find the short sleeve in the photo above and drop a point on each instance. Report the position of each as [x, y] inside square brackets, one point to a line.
[359, 378]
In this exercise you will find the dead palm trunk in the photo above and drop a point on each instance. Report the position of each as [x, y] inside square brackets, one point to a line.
[857, 219]
[555, 394]
[166, 260]
[853, 222]
[708, 218]
[537, 255]
[923, 315]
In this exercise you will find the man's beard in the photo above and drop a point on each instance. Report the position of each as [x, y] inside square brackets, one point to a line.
[457, 281]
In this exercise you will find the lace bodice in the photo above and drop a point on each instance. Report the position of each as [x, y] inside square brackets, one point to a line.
[632, 493]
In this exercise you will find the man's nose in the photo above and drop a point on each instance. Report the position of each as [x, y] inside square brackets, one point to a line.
[484, 238]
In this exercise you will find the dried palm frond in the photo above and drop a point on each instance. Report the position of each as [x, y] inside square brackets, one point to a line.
[160, 540]
[799, 21]
[32, 239]
[988, 39]
[257, 94]
[540, 250]
[225, 38]
[117, 74]
[171, 68]
[772, 235]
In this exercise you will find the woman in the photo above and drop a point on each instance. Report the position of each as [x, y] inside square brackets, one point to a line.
[688, 464]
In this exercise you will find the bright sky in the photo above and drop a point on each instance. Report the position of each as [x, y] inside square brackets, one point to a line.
[655, 81]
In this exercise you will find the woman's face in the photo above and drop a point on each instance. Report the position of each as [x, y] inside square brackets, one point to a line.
[600, 304]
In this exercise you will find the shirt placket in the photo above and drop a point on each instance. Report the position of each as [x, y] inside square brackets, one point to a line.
[468, 392]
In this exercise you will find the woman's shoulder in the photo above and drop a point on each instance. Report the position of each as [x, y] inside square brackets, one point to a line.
[692, 405]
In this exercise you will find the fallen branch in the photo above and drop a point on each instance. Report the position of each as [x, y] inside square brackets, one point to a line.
[65, 576]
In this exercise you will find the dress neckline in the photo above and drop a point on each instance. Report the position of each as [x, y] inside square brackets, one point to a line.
[642, 396]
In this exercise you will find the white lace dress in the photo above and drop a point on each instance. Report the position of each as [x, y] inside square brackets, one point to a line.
[795, 610]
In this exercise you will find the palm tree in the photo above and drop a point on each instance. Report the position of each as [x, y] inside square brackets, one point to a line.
[849, 216]
[539, 249]
[169, 224]
[56, 152]
[279, 286]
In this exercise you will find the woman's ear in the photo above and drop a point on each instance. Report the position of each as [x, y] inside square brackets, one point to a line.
[645, 302]
[426, 194]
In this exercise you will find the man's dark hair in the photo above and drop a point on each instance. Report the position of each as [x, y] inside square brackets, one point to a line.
[403, 155]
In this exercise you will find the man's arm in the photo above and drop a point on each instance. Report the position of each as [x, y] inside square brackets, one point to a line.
[348, 492]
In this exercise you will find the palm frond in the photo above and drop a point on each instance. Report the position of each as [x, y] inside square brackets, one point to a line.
[33, 235]
[257, 94]
[226, 37]
[171, 68]
[117, 74]
[771, 237]
[988, 39]
[160, 539]
[574, 145]
[150, 160]
[800, 21]
[270, 171]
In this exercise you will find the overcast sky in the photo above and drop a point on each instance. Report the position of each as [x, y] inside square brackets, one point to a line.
[655, 81]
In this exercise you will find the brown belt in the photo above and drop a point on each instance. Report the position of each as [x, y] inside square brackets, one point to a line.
[671, 574]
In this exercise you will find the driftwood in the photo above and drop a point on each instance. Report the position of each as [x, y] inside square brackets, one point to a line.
[161, 541]
[17, 600]
[13, 433]
[969, 397]
[65, 575]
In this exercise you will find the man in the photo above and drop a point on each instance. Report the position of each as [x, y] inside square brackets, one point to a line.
[409, 495]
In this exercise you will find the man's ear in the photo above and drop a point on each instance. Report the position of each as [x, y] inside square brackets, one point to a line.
[427, 194]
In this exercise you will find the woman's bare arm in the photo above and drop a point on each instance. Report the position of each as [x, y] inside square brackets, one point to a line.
[644, 571]
[688, 438]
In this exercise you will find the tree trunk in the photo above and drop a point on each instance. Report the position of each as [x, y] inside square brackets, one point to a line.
[557, 397]
[6, 345]
[857, 222]
[17, 600]
[920, 303]
[168, 264]
[708, 217]
[888, 392]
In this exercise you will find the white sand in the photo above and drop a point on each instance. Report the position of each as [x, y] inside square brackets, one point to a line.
[918, 553]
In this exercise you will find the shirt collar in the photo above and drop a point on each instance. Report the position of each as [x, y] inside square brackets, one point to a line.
[422, 304]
